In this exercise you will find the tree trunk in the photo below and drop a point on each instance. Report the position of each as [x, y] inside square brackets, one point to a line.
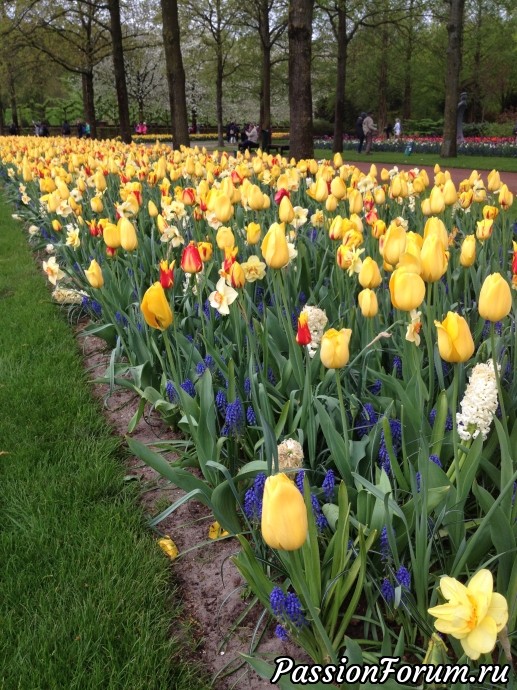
[89, 102]
[300, 89]
[2, 118]
[265, 78]
[342, 54]
[455, 34]
[382, 112]
[408, 77]
[476, 109]
[219, 98]
[175, 72]
[120, 71]
[12, 95]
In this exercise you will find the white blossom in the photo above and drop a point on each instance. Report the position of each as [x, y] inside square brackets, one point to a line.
[479, 403]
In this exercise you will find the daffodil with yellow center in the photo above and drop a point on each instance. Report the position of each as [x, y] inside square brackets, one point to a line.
[254, 269]
[413, 329]
[474, 614]
[51, 268]
[72, 237]
[222, 297]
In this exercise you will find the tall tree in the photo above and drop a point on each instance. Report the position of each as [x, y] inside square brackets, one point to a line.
[452, 77]
[300, 86]
[119, 70]
[175, 72]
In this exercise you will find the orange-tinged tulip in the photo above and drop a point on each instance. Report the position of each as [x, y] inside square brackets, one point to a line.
[155, 307]
[128, 238]
[253, 232]
[303, 335]
[166, 274]
[236, 275]
[225, 238]
[407, 289]
[368, 304]
[284, 523]
[434, 259]
[190, 259]
[205, 251]
[468, 251]
[274, 247]
[465, 198]
[334, 352]
[490, 212]
[369, 275]
[378, 228]
[455, 342]
[495, 298]
[94, 275]
[336, 228]
[56, 225]
[285, 210]
[505, 198]
[484, 229]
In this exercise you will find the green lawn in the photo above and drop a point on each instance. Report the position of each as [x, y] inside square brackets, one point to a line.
[85, 594]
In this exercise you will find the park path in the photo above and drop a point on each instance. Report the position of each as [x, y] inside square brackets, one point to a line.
[457, 174]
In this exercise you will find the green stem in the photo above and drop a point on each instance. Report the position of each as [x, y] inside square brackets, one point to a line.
[430, 344]
[498, 378]
[454, 406]
[343, 416]
[170, 357]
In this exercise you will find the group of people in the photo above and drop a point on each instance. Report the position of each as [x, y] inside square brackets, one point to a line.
[365, 128]
[248, 135]
[141, 128]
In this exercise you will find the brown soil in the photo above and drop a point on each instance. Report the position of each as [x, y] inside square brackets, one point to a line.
[211, 588]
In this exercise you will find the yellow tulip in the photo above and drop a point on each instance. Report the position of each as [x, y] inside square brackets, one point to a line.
[398, 187]
[465, 198]
[223, 208]
[379, 195]
[152, 209]
[505, 198]
[285, 210]
[225, 238]
[274, 247]
[338, 188]
[318, 190]
[253, 232]
[337, 160]
[484, 228]
[334, 352]
[369, 275]
[378, 228]
[255, 198]
[111, 235]
[473, 614]
[407, 289]
[490, 212]
[331, 203]
[56, 225]
[393, 244]
[355, 201]
[284, 523]
[96, 204]
[434, 259]
[99, 181]
[495, 298]
[494, 181]
[336, 228]
[155, 307]
[94, 275]
[455, 342]
[368, 304]
[468, 251]
[450, 195]
[128, 237]
[436, 226]
[436, 201]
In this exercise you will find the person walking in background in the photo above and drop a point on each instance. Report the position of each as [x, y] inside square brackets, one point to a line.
[388, 130]
[397, 128]
[368, 128]
[359, 131]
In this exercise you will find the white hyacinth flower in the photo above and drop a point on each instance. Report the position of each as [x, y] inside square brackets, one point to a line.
[479, 403]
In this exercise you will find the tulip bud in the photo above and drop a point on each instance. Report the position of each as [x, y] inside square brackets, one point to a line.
[99, 181]
[436, 201]
[285, 210]
[407, 289]
[111, 235]
[255, 198]
[303, 335]
[495, 298]
[56, 225]
[223, 208]
[274, 247]
[450, 195]
[128, 238]
[494, 181]
[378, 228]
[331, 203]
[334, 352]
[253, 232]
[155, 307]
[284, 523]
[369, 275]
[336, 228]
[455, 342]
[394, 244]
[468, 251]
[505, 198]
[166, 274]
[368, 304]
[434, 259]
[338, 188]
[205, 251]
[96, 204]
[152, 209]
[490, 212]
[355, 201]
[484, 229]
[94, 275]
[225, 238]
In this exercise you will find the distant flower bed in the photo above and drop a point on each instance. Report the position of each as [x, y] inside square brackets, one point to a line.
[472, 146]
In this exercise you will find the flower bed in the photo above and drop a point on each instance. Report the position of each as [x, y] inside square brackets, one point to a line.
[339, 350]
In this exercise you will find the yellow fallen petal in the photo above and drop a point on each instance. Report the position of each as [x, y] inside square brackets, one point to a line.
[168, 547]
[215, 531]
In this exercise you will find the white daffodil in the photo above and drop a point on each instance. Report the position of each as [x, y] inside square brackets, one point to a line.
[222, 297]
[51, 268]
